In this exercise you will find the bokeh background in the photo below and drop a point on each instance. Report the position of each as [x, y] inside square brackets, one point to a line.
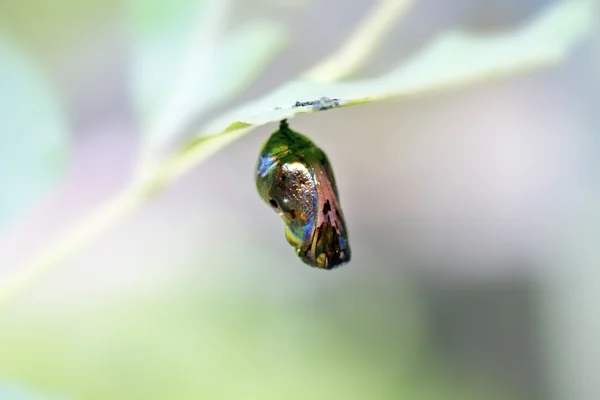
[474, 222]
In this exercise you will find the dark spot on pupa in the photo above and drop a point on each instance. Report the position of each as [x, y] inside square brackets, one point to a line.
[326, 207]
[273, 203]
[293, 214]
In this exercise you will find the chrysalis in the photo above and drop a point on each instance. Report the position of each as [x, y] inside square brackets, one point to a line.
[295, 178]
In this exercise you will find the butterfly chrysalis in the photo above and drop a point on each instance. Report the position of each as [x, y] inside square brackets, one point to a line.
[294, 177]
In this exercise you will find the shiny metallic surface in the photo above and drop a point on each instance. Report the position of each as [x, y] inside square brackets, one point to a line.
[295, 178]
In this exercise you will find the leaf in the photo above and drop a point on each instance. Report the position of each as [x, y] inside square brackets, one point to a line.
[33, 134]
[453, 60]
[171, 40]
[245, 54]
[183, 68]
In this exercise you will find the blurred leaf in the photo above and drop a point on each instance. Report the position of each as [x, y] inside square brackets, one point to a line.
[50, 26]
[245, 53]
[224, 347]
[33, 134]
[182, 67]
[13, 391]
[454, 59]
[155, 16]
[164, 34]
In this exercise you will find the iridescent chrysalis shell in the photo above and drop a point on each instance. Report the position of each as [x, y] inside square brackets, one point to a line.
[295, 178]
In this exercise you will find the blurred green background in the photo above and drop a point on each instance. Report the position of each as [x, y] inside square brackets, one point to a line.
[473, 215]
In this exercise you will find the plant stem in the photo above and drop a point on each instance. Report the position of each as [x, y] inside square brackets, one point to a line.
[95, 224]
[352, 56]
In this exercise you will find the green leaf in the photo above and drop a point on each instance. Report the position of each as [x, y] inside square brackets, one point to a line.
[245, 53]
[170, 39]
[33, 134]
[183, 67]
[454, 59]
